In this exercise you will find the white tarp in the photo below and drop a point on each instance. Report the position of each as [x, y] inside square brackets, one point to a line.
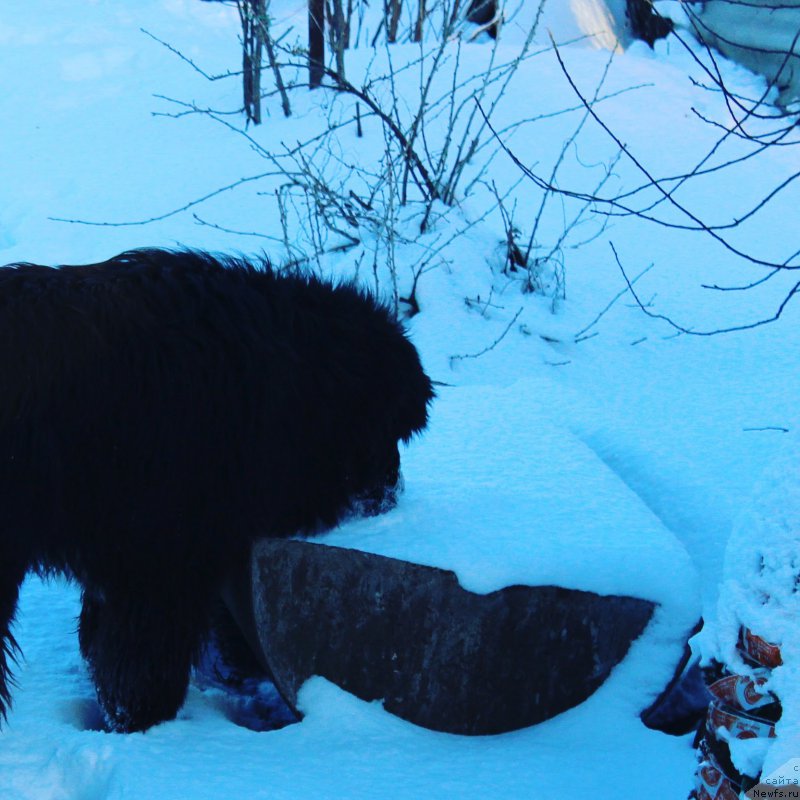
[762, 35]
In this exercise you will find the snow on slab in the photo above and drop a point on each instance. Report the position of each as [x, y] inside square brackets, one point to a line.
[499, 493]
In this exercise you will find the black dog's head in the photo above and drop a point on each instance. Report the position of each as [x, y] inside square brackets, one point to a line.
[343, 387]
[372, 393]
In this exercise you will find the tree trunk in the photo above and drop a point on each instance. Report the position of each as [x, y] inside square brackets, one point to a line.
[338, 33]
[316, 42]
[421, 11]
[252, 13]
[392, 11]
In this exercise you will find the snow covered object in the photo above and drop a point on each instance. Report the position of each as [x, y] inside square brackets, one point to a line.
[752, 731]
[741, 714]
[760, 34]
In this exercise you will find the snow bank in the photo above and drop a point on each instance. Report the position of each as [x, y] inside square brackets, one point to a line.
[501, 494]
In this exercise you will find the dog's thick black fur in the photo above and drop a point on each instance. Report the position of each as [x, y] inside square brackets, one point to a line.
[159, 411]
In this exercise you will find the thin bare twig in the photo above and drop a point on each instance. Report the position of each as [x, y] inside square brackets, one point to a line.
[168, 214]
[732, 329]
[492, 345]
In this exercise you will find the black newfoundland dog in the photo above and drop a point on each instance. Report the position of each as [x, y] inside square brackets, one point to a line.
[158, 412]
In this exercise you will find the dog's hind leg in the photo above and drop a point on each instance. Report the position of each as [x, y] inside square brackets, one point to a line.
[12, 573]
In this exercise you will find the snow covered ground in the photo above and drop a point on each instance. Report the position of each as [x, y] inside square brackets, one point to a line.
[616, 463]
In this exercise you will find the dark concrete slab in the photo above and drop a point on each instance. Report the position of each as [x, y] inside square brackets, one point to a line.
[410, 635]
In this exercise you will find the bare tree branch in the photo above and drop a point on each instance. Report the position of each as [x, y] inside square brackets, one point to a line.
[690, 331]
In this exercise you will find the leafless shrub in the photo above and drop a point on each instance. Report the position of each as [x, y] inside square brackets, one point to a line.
[397, 214]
